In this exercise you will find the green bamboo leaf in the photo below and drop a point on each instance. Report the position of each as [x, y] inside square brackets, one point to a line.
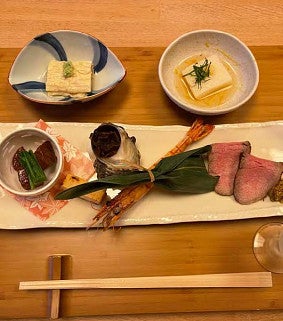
[188, 180]
[169, 163]
[190, 176]
[81, 190]
[114, 181]
[127, 178]
[184, 172]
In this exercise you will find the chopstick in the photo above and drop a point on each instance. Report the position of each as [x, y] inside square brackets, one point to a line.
[249, 279]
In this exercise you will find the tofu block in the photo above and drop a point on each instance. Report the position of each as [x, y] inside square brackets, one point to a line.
[78, 83]
[72, 180]
[219, 78]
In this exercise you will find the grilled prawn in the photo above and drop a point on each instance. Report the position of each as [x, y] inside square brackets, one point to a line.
[111, 212]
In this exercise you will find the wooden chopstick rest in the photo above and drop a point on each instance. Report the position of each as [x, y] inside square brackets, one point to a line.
[55, 269]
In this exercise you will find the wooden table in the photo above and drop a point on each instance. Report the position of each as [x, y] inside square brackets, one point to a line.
[186, 248]
[177, 249]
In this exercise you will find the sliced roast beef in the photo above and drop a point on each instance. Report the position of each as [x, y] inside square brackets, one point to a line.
[223, 161]
[45, 155]
[255, 177]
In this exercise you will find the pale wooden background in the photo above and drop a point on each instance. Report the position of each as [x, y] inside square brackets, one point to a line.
[141, 23]
[148, 23]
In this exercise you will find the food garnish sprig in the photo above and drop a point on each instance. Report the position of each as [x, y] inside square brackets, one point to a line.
[201, 73]
[168, 173]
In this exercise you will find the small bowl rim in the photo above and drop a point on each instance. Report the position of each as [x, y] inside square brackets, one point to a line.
[49, 185]
[193, 108]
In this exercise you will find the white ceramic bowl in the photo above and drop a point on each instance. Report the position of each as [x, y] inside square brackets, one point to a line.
[28, 72]
[209, 42]
[29, 138]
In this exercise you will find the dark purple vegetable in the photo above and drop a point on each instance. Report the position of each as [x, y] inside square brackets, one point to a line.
[16, 160]
[23, 178]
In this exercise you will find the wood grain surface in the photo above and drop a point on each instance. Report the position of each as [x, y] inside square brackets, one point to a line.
[193, 248]
[140, 99]
[178, 249]
[138, 33]
[141, 23]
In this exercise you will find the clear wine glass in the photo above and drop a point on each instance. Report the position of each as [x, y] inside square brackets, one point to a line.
[268, 247]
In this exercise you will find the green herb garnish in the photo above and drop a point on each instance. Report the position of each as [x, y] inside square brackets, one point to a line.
[200, 72]
[185, 172]
[34, 171]
[68, 69]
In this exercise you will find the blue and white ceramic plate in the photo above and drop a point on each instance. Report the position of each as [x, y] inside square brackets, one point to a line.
[28, 72]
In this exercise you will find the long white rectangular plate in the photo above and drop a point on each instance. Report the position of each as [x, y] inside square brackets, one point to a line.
[158, 207]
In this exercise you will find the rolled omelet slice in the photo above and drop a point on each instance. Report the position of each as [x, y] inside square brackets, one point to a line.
[78, 83]
[72, 180]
